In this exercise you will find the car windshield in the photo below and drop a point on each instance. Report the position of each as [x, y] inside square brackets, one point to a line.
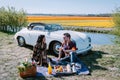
[53, 27]
[38, 27]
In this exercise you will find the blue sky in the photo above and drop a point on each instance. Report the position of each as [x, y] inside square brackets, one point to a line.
[63, 6]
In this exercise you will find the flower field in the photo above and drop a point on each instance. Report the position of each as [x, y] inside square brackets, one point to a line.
[104, 22]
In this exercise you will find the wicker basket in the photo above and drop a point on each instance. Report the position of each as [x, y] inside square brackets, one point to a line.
[29, 72]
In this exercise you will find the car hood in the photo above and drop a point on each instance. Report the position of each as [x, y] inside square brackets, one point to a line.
[74, 34]
[80, 38]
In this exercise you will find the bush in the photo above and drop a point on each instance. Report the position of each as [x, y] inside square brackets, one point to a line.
[116, 20]
[11, 19]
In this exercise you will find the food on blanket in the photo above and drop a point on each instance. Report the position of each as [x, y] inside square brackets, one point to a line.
[68, 68]
[61, 69]
[73, 48]
[58, 69]
[74, 68]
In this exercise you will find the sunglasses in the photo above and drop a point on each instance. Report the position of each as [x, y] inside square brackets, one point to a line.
[64, 37]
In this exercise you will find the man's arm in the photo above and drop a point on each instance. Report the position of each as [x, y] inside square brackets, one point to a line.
[69, 50]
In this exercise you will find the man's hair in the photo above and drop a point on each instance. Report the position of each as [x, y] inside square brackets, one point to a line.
[67, 34]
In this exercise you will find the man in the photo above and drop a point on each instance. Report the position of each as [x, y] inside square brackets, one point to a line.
[67, 46]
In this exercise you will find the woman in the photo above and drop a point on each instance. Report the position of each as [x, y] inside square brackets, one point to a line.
[39, 51]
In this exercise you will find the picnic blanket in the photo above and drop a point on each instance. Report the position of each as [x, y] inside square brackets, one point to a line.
[42, 71]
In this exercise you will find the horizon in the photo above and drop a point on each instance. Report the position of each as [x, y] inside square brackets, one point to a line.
[63, 6]
[71, 13]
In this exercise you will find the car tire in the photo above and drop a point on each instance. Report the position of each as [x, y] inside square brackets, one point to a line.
[21, 41]
[54, 46]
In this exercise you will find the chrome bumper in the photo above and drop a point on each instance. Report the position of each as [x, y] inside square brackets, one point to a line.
[84, 50]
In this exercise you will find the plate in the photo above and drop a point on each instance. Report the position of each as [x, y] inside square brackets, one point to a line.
[64, 71]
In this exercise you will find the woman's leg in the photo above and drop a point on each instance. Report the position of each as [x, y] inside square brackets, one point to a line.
[45, 58]
[40, 60]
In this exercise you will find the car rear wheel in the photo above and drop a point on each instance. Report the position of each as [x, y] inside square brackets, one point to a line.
[55, 47]
[21, 41]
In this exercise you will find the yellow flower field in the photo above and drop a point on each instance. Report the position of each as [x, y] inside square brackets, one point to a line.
[105, 22]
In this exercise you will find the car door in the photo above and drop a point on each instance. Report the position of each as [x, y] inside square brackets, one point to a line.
[35, 32]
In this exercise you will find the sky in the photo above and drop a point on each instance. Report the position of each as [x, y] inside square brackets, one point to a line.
[63, 6]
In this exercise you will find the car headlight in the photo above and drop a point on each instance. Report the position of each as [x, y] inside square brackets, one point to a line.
[89, 39]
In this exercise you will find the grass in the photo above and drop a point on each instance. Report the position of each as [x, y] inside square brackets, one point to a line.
[103, 61]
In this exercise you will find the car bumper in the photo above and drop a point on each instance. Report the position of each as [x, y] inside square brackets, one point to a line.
[83, 51]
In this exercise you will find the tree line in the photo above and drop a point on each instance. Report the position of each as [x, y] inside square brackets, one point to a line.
[12, 20]
[88, 15]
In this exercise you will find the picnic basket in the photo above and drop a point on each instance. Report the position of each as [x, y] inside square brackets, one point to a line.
[29, 72]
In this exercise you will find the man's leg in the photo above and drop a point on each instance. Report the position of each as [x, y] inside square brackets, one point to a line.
[73, 57]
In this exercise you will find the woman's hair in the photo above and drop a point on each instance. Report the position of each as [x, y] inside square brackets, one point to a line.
[40, 38]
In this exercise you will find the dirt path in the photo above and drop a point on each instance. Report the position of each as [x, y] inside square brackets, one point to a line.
[103, 61]
[10, 57]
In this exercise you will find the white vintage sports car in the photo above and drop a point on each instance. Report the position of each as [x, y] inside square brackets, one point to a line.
[54, 37]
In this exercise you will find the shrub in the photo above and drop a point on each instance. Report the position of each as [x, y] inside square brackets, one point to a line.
[116, 20]
[11, 19]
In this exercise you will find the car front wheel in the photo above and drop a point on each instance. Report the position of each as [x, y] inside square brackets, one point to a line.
[55, 47]
[21, 41]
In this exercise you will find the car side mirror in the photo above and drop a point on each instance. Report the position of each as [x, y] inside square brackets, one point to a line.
[30, 27]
